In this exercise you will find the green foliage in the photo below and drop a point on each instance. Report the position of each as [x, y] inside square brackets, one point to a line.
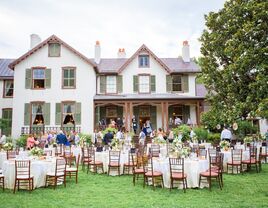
[262, 110]
[184, 130]
[234, 60]
[21, 141]
[211, 119]
[214, 138]
[85, 139]
[9, 140]
[112, 130]
[5, 125]
[245, 128]
[201, 133]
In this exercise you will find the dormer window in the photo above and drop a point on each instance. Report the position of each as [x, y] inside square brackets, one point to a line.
[144, 61]
[54, 50]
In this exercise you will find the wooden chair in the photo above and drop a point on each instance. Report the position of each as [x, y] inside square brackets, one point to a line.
[114, 161]
[202, 153]
[23, 175]
[59, 176]
[59, 150]
[236, 160]
[93, 162]
[68, 155]
[2, 181]
[211, 173]
[131, 163]
[263, 154]
[86, 157]
[154, 151]
[252, 161]
[73, 170]
[11, 154]
[150, 173]
[138, 170]
[176, 167]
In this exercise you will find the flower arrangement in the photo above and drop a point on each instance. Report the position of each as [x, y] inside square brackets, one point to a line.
[176, 144]
[8, 146]
[36, 151]
[248, 139]
[115, 143]
[84, 140]
[195, 140]
[159, 140]
[185, 151]
[224, 145]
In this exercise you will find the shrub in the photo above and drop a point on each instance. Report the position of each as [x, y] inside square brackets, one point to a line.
[184, 130]
[21, 141]
[201, 133]
[214, 138]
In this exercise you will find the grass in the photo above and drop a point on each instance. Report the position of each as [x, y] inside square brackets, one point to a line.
[247, 190]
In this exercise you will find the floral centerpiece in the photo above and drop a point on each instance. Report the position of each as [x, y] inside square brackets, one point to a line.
[178, 149]
[248, 139]
[85, 139]
[36, 151]
[225, 145]
[185, 152]
[8, 146]
[159, 140]
[115, 143]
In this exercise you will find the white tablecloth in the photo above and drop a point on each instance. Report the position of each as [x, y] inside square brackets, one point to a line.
[191, 167]
[39, 169]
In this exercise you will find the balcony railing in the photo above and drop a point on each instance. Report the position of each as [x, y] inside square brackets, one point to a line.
[38, 129]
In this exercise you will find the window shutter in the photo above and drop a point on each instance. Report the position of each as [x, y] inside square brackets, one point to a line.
[102, 84]
[97, 115]
[28, 79]
[27, 114]
[58, 114]
[48, 78]
[47, 113]
[77, 115]
[185, 83]
[153, 117]
[186, 113]
[169, 83]
[119, 84]
[153, 83]
[135, 83]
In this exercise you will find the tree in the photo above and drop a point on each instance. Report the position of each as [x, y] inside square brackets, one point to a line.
[234, 62]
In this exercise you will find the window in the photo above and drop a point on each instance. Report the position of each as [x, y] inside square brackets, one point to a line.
[54, 50]
[39, 78]
[37, 114]
[68, 113]
[176, 83]
[111, 84]
[8, 88]
[144, 61]
[144, 84]
[7, 116]
[69, 78]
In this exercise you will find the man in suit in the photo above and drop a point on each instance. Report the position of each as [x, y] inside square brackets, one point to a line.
[107, 139]
[61, 138]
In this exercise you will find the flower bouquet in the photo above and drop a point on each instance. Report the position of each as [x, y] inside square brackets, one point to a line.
[185, 152]
[8, 146]
[36, 151]
[225, 145]
[248, 139]
[115, 143]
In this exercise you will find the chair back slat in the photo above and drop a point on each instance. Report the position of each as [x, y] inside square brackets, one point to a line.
[23, 168]
[60, 166]
[236, 155]
[176, 165]
[114, 157]
[11, 154]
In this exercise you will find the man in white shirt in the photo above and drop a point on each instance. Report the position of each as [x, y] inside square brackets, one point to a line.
[226, 134]
[177, 121]
[142, 137]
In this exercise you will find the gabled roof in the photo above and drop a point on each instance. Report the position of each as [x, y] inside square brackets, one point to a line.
[142, 49]
[110, 65]
[53, 39]
[5, 71]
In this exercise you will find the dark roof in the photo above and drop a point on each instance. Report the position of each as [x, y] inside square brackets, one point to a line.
[177, 65]
[165, 96]
[5, 71]
[110, 65]
[201, 91]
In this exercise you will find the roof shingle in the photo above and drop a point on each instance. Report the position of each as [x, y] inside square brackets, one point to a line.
[5, 71]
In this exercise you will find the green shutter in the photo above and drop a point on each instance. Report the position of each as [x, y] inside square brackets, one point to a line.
[119, 84]
[97, 115]
[27, 114]
[28, 79]
[153, 117]
[77, 115]
[47, 113]
[169, 83]
[135, 83]
[185, 83]
[102, 84]
[186, 113]
[153, 83]
[58, 114]
[48, 78]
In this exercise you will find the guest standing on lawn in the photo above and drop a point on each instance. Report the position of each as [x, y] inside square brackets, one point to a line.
[61, 138]
[226, 134]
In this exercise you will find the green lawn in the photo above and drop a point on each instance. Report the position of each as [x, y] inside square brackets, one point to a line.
[247, 190]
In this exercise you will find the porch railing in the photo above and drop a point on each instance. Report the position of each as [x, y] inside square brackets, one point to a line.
[38, 129]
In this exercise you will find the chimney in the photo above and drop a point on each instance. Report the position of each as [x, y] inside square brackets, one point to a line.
[121, 53]
[185, 51]
[97, 52]
[34, 40]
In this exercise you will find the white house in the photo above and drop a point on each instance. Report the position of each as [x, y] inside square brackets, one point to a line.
[56, 87]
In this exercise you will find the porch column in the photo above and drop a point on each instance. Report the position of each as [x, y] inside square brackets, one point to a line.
[126, 115]
[130, 115]
[166, 111]
[163, 115]
[198, 113]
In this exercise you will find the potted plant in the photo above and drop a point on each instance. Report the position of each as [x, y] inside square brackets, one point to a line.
[21, 141]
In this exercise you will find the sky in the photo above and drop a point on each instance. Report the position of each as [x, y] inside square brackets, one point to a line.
[162, 25]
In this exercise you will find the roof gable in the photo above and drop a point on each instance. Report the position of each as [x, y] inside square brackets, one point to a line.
[143, 48]
[53, 39]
